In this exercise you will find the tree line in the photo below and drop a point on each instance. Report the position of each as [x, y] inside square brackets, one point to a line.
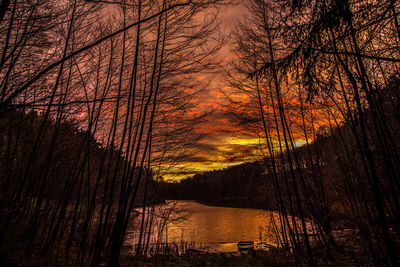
[325, 67]
[95, 99]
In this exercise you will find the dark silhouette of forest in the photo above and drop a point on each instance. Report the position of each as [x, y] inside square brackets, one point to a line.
[244, 185]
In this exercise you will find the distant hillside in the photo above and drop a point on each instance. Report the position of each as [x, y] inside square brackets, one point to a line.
[243, 185]
[71, 158]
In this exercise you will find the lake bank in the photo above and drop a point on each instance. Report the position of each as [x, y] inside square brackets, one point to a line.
[275, 257]
[244, 203]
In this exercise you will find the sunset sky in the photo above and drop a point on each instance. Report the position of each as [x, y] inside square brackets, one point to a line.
[225, 145]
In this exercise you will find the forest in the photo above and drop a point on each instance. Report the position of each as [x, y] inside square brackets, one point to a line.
[100, 101]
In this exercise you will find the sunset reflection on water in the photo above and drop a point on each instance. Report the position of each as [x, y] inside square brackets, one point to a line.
[218, 228]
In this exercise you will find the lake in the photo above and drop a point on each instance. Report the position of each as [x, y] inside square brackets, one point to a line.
[217, 228]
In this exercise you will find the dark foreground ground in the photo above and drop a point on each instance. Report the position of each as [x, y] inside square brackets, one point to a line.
[349, 256]
[247, 259]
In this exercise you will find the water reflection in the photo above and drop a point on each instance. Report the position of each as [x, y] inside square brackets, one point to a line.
[219, 228]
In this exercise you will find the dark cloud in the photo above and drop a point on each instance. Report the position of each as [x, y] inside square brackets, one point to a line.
[197, 159]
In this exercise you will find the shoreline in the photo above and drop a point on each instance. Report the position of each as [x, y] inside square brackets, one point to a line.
[230, 203]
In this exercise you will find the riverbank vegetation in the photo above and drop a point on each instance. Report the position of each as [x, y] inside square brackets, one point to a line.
[309, 71]
[258, 259]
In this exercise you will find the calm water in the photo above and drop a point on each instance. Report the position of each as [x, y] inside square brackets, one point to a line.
[218, 228]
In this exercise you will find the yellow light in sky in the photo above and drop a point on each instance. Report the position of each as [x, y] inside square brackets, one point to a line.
[190, 170]
[244, 141]
[217, 162]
